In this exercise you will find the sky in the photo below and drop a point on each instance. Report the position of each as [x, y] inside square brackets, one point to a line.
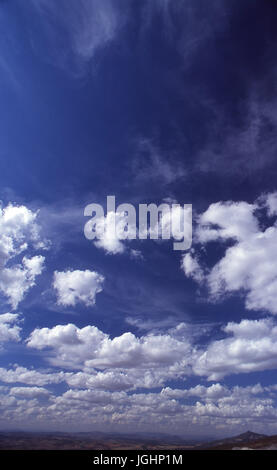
[151, 102]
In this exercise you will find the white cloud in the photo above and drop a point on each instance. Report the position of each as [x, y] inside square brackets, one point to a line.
[213, 392]
[250, 346]
[30, 376]
[71, 345]
[108, 380]
[130, 351]
[77, 286]
[8, 318]
[191, 267]
[227, 220]
[110, 231]
[29, 392]
[18, 230]
[93, 396]
[177, 222]
[217, 407]
[9, 330]
[90, 347]
[128, 362]
[270, 201]
[17, 280]
[127, 378]
[249, 264]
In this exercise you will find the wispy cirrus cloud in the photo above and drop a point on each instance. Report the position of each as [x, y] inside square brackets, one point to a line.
[248, 143]
[151, 165]
[76, 31]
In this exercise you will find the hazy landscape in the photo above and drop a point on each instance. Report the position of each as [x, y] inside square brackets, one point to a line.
[102, 441]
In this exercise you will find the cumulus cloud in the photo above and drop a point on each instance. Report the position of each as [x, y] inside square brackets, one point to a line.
[30, 376]
[89, 378]
[227, 220]
[77, 286]
[106, 376]
[9, 329]
[197, 408]
[91, 347]
[108, 380]
[18, 230]
[250, 346]
[126, 378]
[270, 202]
[103, 373]
[213, 392]
[247, 265]
[29, 392]
[17, 280]
[128, 362]
[110, 231]
[8, 318]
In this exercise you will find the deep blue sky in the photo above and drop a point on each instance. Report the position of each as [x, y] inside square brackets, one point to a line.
[144, 100]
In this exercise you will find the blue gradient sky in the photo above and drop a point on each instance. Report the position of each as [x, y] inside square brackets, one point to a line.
[145, 101]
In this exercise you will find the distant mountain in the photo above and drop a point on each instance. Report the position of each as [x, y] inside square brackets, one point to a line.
[248, 436]
[248, 439]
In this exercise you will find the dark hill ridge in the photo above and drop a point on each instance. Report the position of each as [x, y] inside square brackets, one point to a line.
[249, 436]
[91, 441]
[248, 439]
[139, 441]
